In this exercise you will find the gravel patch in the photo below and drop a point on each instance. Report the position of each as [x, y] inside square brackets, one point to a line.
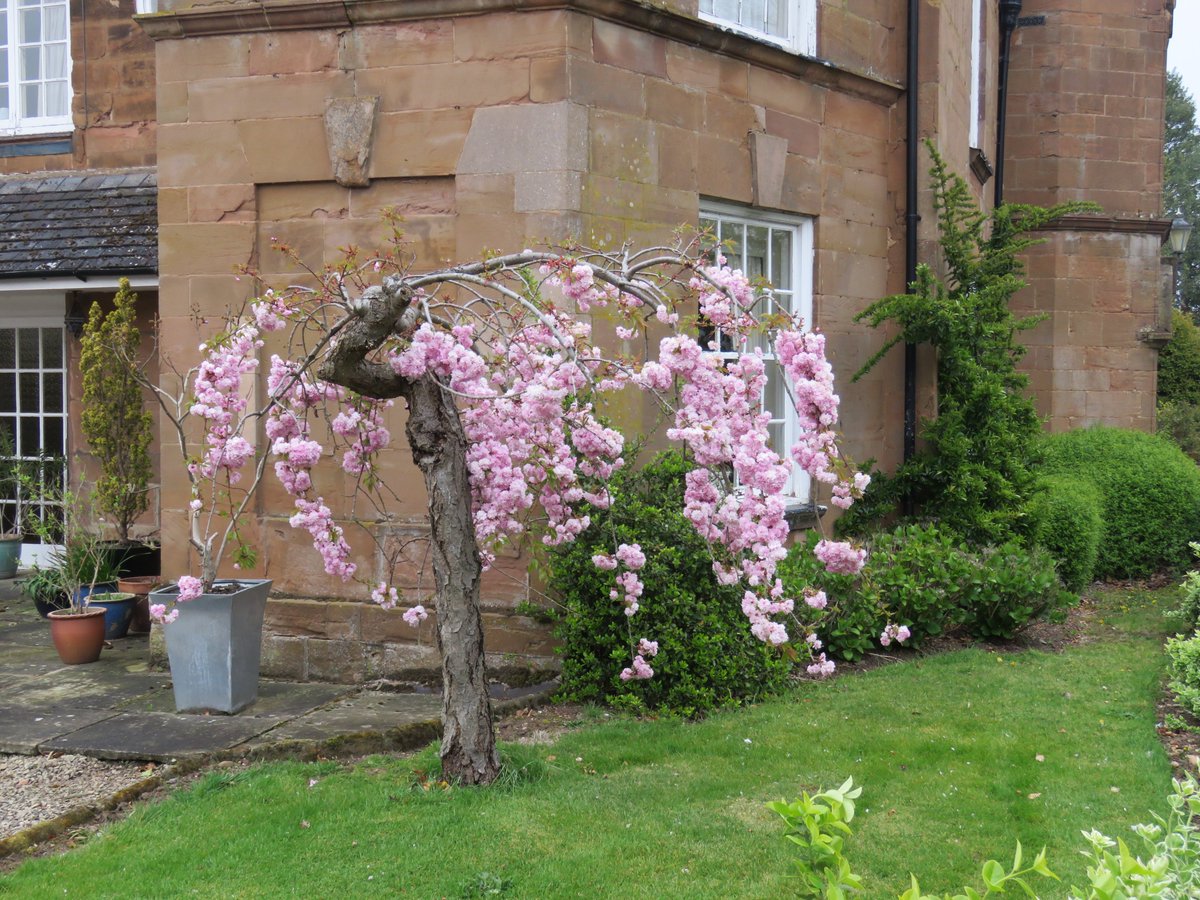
[36, 788]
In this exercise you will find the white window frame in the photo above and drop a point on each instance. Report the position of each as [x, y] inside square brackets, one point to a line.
[976, 86]
[799, 487]
[801, 36]
[145, 7]
[38, 310]
[20, 125]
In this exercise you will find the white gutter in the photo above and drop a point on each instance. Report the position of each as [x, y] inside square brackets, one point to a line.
[73, 283]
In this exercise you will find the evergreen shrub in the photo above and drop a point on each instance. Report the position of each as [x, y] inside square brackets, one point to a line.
[707, 657]
[1150, 491]
[1065, 517]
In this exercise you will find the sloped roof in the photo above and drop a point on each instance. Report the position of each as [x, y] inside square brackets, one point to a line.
[79, 224]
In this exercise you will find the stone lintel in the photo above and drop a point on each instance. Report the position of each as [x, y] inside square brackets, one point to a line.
[290, 15]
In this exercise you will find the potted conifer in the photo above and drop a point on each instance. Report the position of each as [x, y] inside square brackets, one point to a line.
[118, 426]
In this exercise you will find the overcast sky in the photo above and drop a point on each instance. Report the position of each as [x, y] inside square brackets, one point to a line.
[1183, 52]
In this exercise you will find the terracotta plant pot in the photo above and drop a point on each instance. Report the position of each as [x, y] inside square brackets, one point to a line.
[140, 586]
[78, 637]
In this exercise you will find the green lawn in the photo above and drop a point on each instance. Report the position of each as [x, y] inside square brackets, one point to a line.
[947, 749]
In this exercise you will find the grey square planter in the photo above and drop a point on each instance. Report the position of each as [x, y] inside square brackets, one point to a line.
[214, 647]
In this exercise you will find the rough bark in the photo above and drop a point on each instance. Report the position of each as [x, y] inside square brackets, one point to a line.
[439, 448]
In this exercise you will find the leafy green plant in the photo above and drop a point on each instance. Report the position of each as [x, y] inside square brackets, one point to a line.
[1188, 610]
[1064, 517]
[924, 577]
[1184, 655]
[1179, 422]
[1010, 588]
[1150, 491]
[995, 878]
[707, 657]
[818, 827]
[973, 477]
[1179, 362]
[1171, 867]
[44, 584]
[115, 421]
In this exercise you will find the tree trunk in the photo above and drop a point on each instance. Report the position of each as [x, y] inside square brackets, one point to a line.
[439, 449]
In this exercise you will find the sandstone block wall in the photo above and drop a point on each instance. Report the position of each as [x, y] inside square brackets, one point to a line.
[113, 94]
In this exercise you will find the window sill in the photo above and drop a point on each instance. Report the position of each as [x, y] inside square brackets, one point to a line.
[801, 515]
[36, 145]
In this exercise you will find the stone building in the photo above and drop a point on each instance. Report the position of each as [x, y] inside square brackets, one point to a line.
[495, 124]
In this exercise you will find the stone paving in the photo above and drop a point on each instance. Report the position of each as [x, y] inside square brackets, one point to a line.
[117, 708]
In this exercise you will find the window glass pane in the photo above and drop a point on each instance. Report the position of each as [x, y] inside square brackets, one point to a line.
[775, 399]
[706, 7]
[8, 344]
[777, 23]
[29, 100]
[733, 242]
[52, 348]
[56, 22]
[726, 9]
[756, 251]
[31, 63]
[776, 440]
[30, 442]
[781, 259]
[8, 392]
[3, 24]
[30, 392]
[56, 99]
[28, 339]
[56, 60]
[52, 392]
[54, 434]
[31, 26]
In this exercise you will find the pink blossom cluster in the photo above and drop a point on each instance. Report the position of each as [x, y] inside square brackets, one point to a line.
[802, 355]
[821, 667]
[725, 296]
[532, 434]
[270, 311]
[363, 426]
[893, 632]
[640, 668]
[840, 557]
[328, 538]
[578, 283]
[218, 399]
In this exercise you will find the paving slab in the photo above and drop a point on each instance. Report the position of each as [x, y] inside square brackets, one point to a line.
[159, 736]
[22, 730]
[95, 689]
[276, 699]
[30, 634]
[368, 711]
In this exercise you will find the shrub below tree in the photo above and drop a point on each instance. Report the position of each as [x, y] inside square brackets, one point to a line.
[707, 657]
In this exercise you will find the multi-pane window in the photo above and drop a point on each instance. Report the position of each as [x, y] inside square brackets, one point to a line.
[778, 248]
[791, 23]
[35, 66]
[33, 408]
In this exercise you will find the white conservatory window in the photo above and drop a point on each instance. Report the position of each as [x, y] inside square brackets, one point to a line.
[790, 23]
[779, 248]
[35, 67]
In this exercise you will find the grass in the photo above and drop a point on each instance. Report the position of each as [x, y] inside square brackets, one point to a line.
[947, 749]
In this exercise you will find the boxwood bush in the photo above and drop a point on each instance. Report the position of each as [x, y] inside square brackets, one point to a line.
[924, 577]
[1150, 492]
[1065, 517]
[707, 657]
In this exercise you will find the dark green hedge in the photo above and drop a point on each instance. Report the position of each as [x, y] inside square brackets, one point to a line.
[1150, 491]
[1066, 518]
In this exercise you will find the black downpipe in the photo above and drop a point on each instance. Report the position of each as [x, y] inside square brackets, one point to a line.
[911, 219]
[1010, 11]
